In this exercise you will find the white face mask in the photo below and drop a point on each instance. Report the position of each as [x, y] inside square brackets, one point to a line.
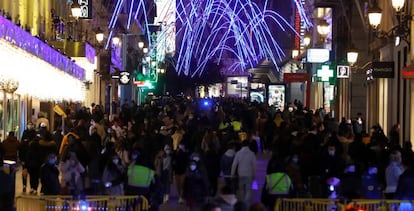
[196, 159]
[115, 161]
[331, 152]
[193, 167]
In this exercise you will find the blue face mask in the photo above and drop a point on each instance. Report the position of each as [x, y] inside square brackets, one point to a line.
[52, 161]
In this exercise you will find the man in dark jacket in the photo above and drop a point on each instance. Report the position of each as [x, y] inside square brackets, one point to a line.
[49, 176]
[6, 190]
[11, 144]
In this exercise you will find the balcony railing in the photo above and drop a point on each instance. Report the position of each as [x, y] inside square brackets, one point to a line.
[24, 40]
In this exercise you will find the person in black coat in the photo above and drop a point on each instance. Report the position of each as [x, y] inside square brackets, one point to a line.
[196, 188]
[351, 182]
[405, 187]
[23, 157]
[6, 190]
[179, 166]
[33, 164]
[49, 176]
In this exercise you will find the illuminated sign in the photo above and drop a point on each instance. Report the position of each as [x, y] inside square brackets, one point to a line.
[408, 72]
[380, 70]
[343, 71]
[124, 78]
[86, 9]
[296, 77]
[144, 84]
[325, 73]
[277, 96]
[316, 55]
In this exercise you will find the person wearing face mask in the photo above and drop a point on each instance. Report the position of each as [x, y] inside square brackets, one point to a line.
[49, 176]
[331, 163]
[293, 169]
[71, 179]
[139, 176]
[114, 175]
[196, 189]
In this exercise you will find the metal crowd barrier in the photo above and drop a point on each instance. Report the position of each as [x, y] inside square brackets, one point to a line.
[327, 204]
[305, 204]
[90, 203]
[379, 205]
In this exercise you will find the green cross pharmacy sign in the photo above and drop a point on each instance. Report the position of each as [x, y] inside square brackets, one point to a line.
[325, 73]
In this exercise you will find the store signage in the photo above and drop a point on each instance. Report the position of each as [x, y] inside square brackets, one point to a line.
[317, 55]
[408, 72]
[343, 71]
[86, 9]
[296, 77]
[325, 73]
[380, 70]
[124, 78]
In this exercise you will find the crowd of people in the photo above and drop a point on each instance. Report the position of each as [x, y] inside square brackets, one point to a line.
[145, 149]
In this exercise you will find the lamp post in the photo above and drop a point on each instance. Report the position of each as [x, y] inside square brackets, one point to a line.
[401, 30]
[352, 55]
[99, 35]
[323, 29]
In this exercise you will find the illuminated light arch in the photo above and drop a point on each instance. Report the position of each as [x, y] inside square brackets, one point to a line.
[212, 30]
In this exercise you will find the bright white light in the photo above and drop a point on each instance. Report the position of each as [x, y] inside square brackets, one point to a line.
[145, 50]
[398, 4]
[38, 78]
[89, 67]
[99, 37]
[115, 40]
[352, 57]
[323, 28]
[76, 11]
[295, 53]
[140, 44]
[306, 40]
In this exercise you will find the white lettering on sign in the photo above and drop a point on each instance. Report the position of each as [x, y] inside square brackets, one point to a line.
[84, 5]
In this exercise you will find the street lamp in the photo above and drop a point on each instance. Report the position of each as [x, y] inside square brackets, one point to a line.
[145, 50]
[401, 30]
[76, 9]
[307, 40]
[374, 16]
[99, 35]
[398, 4]
[115, 40]
[141, 45]
[323, 28]
[352, 55]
